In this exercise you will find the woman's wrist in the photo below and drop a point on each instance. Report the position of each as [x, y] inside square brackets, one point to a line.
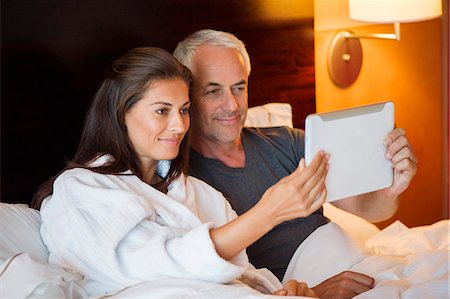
[266, 217]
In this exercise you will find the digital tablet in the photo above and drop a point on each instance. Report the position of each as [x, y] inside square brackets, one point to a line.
[354, 139]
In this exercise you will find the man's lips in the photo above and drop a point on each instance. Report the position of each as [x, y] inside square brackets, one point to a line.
[228, 119]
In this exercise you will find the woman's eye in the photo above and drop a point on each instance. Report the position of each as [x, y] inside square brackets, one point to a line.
[185, 111]
[162, 111]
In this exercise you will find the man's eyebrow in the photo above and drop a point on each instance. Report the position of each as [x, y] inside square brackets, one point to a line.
[220, 85]
[240, 82]
[213, 84]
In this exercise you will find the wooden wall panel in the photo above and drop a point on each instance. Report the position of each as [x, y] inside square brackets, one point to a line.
[411, 75]
[54, 53]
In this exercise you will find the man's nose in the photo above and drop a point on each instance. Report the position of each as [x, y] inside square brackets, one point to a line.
[230, 101]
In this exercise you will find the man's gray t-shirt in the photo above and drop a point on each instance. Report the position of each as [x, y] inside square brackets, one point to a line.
[270, 154]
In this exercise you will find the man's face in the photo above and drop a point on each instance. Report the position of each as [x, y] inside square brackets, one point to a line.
[219, 98]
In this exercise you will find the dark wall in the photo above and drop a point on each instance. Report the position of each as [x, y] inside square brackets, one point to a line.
[54, 53]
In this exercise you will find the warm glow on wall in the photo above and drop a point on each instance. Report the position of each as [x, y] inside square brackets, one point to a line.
[409, 73]
[287, 9]
[345, 58]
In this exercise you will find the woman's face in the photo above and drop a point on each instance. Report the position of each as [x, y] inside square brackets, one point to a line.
[157, 123]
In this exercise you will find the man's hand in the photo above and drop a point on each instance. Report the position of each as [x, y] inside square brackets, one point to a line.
[344, 285]
[296, 288]
[401, 154]
[381, 204]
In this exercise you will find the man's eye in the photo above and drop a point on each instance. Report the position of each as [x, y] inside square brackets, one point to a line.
[239, 89]
[213, 91]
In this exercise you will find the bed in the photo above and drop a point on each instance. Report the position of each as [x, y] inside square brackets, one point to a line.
[405, 262]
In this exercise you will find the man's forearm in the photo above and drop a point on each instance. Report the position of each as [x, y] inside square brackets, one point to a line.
[377, 206]
[374, 206]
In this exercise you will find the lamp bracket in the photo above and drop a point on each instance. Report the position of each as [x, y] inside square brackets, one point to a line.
[345, 54]
[391, 36]
[344, 59]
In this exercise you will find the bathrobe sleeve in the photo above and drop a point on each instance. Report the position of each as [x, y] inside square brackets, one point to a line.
[105, 227]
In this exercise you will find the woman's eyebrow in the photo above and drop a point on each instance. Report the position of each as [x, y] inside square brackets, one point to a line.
[169, 104]
[161, 103]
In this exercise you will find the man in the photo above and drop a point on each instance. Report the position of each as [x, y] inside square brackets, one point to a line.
[244, 162]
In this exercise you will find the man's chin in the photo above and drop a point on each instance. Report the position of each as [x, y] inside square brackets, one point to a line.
[227, 134]
[215, 131]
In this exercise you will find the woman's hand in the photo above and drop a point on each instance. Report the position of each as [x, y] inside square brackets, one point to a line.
[299, 194]
[295, 288]
[296, 195]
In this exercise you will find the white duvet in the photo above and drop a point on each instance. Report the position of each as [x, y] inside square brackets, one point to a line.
[405, 262]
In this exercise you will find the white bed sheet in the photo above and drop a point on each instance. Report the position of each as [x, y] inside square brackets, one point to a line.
[406, 263]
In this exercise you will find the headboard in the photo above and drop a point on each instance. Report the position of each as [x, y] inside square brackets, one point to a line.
[54, 56]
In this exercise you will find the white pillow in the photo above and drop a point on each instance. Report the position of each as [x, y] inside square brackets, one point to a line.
[19, 232]
[270, 115]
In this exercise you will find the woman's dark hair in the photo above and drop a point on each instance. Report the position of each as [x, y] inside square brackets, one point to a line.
[104, 131]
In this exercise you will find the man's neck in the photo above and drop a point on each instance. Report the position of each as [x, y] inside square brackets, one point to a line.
[231, 154]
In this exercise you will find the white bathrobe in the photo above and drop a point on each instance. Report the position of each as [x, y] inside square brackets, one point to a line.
[119, 231]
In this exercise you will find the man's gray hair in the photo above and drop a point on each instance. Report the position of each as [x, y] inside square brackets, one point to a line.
[185, 49]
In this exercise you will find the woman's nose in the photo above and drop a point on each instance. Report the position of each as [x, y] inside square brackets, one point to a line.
[178, 123]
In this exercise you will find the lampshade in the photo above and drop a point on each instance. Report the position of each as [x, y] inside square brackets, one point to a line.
[392, 11]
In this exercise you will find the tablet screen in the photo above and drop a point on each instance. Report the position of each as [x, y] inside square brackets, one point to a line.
[354, 139]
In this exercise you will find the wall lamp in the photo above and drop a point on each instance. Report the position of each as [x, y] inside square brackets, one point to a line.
[345, 52]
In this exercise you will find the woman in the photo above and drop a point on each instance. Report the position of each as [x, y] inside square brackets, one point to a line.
[120, 213]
